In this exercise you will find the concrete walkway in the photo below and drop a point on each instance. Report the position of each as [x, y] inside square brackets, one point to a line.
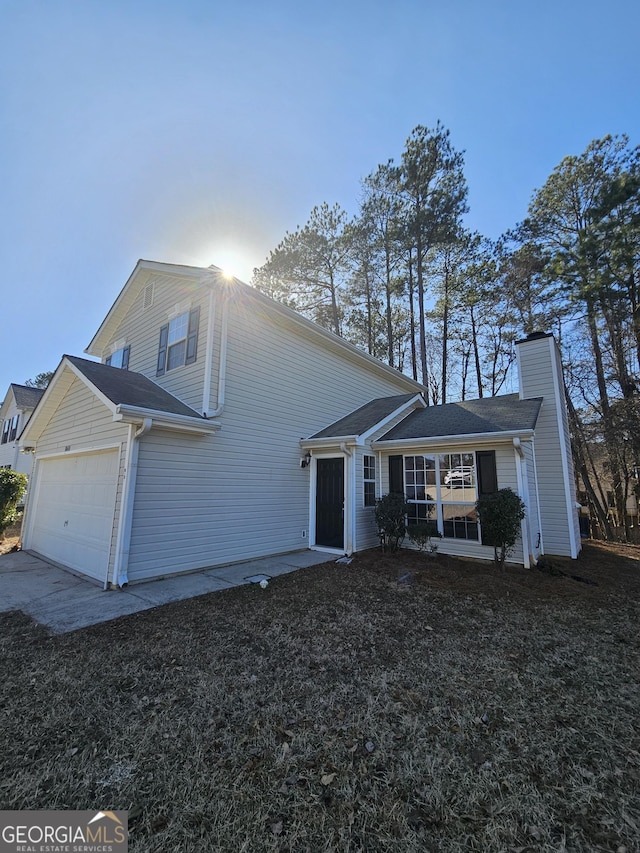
[64, 602]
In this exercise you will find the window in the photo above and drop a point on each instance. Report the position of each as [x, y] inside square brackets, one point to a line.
[178, 341]
[442, 488]
[369, 476]
[6, 426]
[119, 358]
[14, 427]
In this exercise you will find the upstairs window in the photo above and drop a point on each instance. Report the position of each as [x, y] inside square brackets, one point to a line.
[6, 427]
[119, 358]
[178, 341]
[14, 427]
[369, 476]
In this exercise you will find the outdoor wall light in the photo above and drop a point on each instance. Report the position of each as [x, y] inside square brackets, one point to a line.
[306, 460]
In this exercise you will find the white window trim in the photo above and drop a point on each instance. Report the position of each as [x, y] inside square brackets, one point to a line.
[439, 503]
[369, 480]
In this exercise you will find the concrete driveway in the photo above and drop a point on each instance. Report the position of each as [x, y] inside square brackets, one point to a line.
[64, 602]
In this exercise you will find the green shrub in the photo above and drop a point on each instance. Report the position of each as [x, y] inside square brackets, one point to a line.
[500, 516]
[12, 487]
[391, 511]
[422, 535]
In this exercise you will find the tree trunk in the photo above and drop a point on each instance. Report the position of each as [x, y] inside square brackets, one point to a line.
[412, 322]
[445, 332]
[390, 341]
[476, 352]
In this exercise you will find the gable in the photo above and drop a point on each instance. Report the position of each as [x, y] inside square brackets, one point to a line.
[368, 417]
[137, 319]
[75, 418]
[120, 395]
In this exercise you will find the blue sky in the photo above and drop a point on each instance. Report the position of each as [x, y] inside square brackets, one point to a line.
[199, 132]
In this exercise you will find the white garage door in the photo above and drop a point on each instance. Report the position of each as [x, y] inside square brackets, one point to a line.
[73, 514]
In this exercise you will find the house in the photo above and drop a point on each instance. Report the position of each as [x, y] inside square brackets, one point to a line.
[220, 426]
[16, 409]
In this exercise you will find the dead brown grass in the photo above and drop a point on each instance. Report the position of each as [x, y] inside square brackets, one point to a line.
[396, 704]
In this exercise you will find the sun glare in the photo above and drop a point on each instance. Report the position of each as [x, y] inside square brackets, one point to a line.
[233, 261]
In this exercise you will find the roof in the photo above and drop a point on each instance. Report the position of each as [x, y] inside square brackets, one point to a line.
[365, 417]
[127, 388]
[26, 397]
[507, 413]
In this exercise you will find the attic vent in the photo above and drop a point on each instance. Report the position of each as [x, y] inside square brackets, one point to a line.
[148, 296]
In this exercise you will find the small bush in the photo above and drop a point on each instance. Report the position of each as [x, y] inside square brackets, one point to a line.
[500, 515]
[422, 535]
[12, 487]
[391, 511]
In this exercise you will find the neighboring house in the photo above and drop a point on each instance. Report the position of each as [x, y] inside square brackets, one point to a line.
[16, 409]
[201, 439]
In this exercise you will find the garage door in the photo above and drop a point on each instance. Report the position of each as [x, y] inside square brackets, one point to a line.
[73, 513]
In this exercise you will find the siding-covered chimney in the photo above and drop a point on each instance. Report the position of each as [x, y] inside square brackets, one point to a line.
[540, 372]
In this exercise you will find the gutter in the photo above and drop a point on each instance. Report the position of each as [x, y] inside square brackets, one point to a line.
[170, 420]
[475, 438]
[222, 366]
[121, 562]
[208, 363]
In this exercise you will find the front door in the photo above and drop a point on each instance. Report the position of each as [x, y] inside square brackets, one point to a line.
[330, 502]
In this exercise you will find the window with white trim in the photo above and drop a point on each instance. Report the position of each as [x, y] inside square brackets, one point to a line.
[178, 341]
[6, 426]
[442, 488]
[14, 427]
[369, 478]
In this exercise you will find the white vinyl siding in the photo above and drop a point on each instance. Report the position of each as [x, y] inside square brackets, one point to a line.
[538, 363]
[10, 451]
[240, 493]
[141, 329]
[366, 533]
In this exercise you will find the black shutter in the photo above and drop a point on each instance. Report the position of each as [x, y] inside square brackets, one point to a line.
[396, 478]
[162, 350]
[192, 336]
[125, 357]
[487, 475]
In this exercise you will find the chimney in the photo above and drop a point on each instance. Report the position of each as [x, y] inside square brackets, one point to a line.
[540, 374]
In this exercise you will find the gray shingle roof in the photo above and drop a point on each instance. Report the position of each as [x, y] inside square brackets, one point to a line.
[507, 413]
[26, 397]
[127, 388]
[365, 417]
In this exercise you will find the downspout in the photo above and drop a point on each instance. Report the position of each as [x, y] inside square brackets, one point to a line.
[208, 364]
[527, 554]
[123, 541]
[25, 533]
[540, 543]
[222, 367]
[349, 498]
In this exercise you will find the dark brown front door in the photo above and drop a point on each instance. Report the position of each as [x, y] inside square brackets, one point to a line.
[330, 502]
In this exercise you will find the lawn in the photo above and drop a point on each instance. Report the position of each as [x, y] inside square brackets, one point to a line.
[398, 703]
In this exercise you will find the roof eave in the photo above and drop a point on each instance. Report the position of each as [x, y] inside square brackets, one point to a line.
[476, 438]
[328, 441]
[166, 420]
